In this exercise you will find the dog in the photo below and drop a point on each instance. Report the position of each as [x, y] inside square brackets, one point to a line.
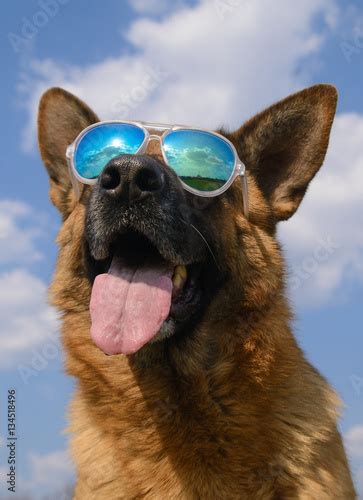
[223, 404]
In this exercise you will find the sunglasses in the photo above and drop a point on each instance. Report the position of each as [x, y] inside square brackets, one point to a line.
[205, 162]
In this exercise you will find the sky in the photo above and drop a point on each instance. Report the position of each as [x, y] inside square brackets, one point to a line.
[208, 63]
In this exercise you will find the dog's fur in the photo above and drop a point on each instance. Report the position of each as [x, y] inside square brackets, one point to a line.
[228, 408]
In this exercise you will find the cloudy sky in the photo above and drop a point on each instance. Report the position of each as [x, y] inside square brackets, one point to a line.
[207, 63]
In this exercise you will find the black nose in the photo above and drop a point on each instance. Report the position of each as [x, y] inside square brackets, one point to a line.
[132, 178]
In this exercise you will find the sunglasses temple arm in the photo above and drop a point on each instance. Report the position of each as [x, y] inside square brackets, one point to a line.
[244, 193]
[74, 181]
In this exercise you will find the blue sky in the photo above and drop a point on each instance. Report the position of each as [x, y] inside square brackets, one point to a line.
[197, 62]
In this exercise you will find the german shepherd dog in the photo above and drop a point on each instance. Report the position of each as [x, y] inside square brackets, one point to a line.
[223, 403]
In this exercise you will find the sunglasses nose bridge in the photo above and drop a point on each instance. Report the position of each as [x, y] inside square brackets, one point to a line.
[154, 145]
[153, 137]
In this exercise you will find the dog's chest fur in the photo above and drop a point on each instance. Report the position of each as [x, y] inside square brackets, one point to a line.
[183, 428]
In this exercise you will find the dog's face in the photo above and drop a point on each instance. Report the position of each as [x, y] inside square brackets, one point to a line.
[159, 262]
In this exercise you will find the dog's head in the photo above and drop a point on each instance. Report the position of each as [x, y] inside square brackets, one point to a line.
[164, 263]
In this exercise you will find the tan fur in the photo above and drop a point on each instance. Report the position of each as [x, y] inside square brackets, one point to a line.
[234, 411]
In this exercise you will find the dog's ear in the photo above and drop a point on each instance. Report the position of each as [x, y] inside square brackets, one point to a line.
[61, 117]
[285, 145]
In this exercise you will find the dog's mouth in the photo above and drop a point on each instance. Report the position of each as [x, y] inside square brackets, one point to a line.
[138, 296]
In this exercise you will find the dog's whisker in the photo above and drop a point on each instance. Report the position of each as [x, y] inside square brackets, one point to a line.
[204, 239]
[207, 244]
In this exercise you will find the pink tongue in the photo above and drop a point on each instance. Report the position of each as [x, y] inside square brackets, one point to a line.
[129, 305]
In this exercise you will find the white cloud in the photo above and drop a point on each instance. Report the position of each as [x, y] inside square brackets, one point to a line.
[49, 473]
[354, 441]
[18, 232]
[27, 322]
[214, 71]
[53, 469]
[3, 471]
[332, 213]
[354, 445]
[154, 6]
[359, 483]
[26, 319]
[200, 65]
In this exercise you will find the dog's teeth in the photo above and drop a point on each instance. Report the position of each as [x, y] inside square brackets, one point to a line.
[182, 270]
[177, 281]
[179, 278]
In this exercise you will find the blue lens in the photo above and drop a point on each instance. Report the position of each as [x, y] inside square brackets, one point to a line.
[202, 160]
[104, 142]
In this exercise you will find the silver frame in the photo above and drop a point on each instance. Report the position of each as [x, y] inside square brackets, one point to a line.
[239, 169]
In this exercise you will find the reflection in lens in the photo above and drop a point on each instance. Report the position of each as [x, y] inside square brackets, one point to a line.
[202, 160]
[104, 142]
